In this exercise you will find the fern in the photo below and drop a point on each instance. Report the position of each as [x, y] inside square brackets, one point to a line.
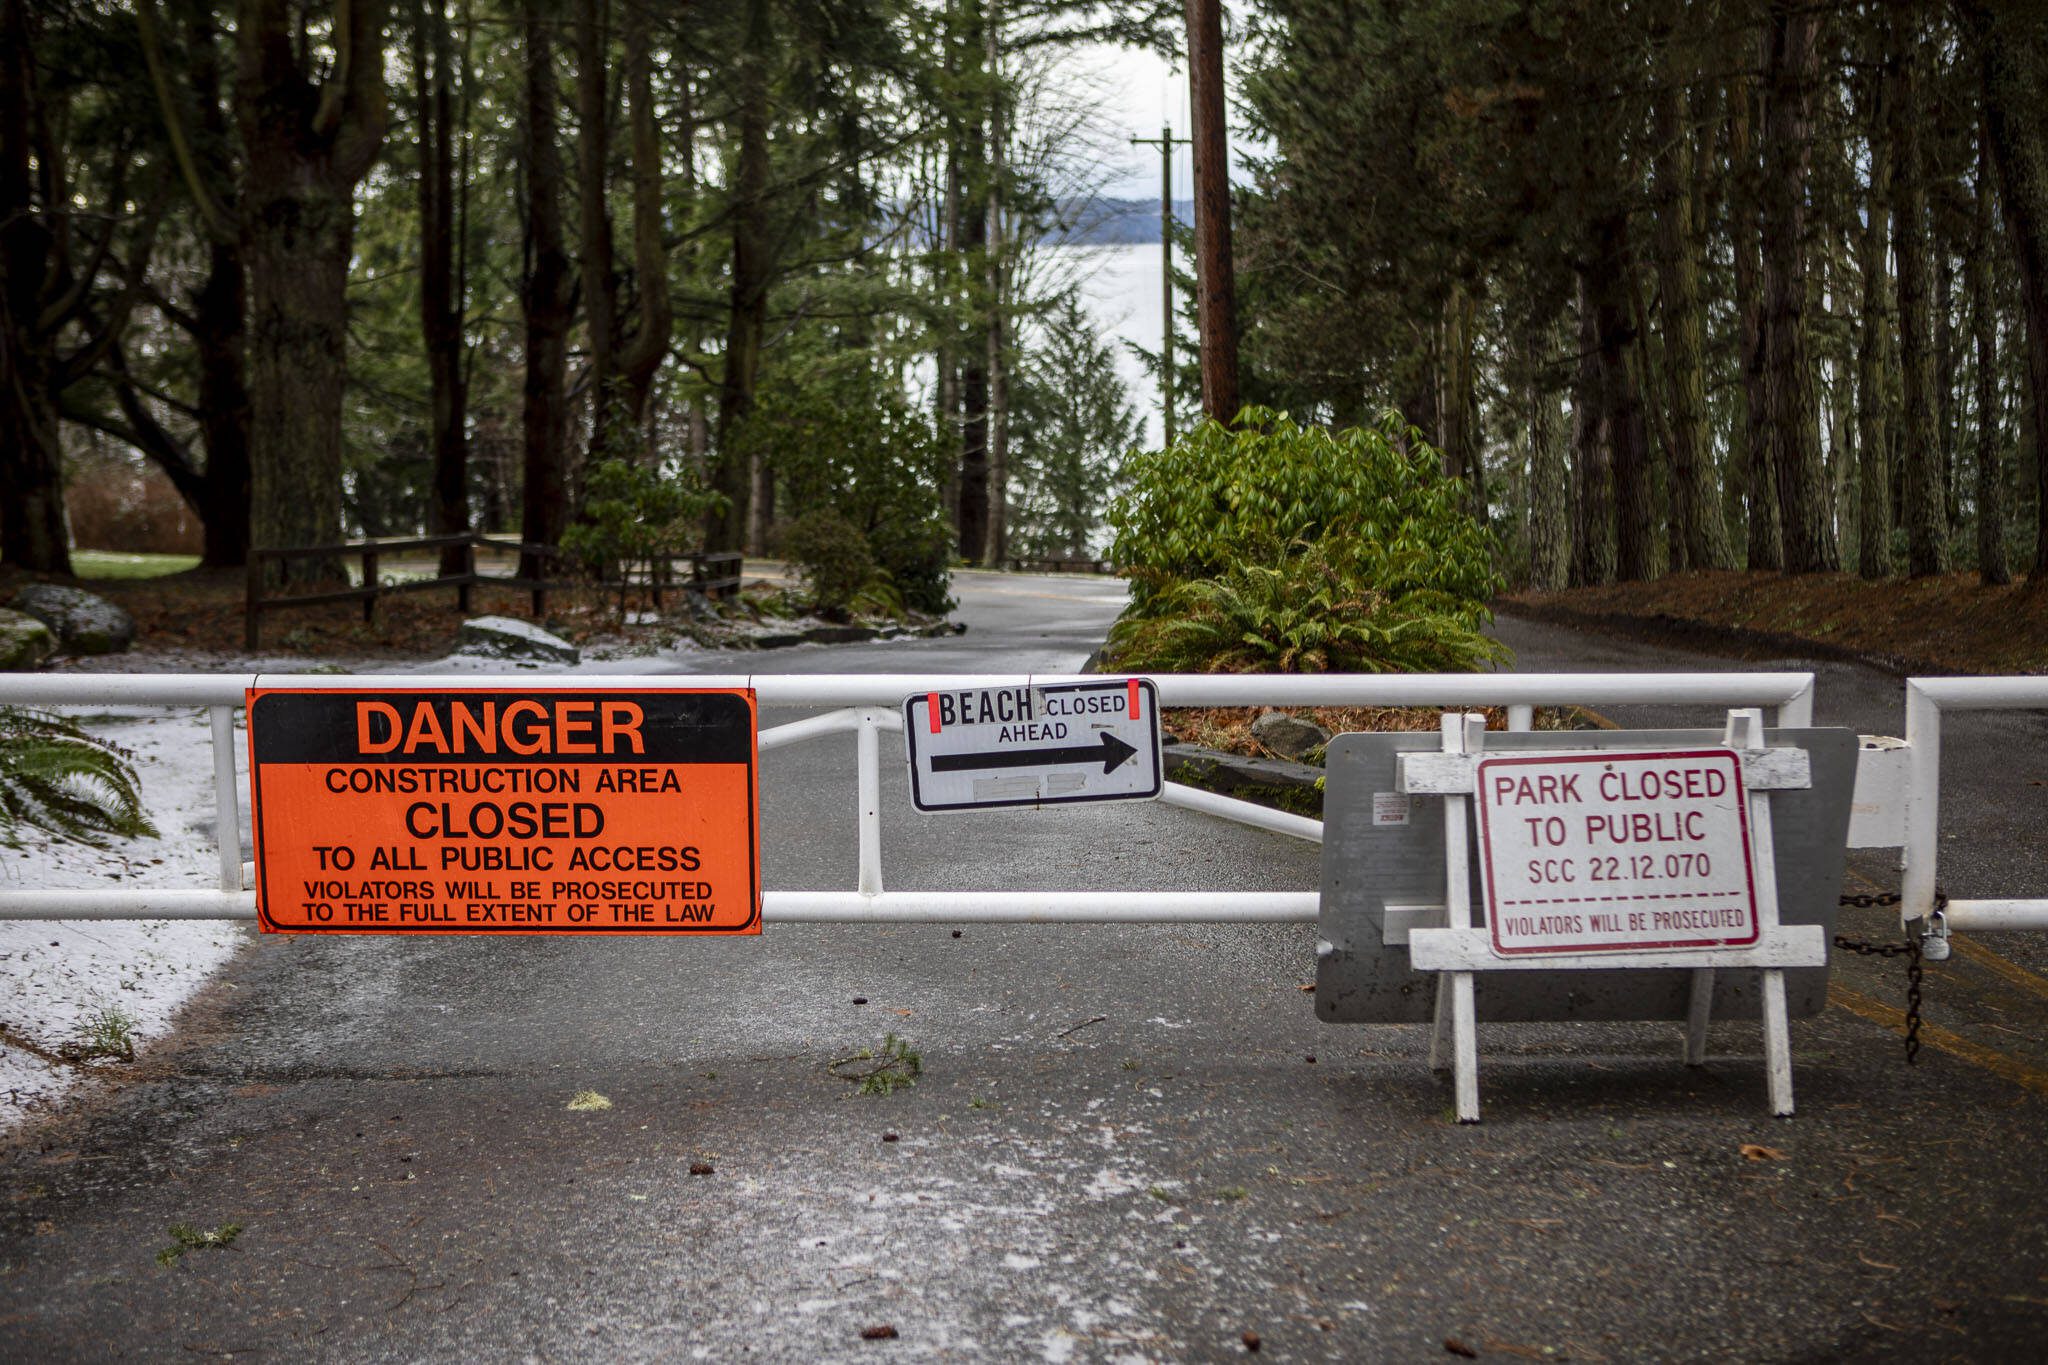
[57, 778]
[1301, 615]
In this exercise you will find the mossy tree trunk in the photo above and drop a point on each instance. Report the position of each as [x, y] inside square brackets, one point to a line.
[1791, 64]
[1925, 503]
[309, 133]
[2009, 39]
[547, 300]
[1701, 539]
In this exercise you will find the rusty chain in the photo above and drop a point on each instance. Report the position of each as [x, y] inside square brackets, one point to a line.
[1909, 949]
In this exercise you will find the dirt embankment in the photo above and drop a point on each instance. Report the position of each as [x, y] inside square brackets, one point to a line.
[1946, 624]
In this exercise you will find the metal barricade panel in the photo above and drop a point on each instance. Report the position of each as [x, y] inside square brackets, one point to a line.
[1383, 860]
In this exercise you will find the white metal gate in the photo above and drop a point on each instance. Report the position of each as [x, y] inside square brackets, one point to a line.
[867, 706]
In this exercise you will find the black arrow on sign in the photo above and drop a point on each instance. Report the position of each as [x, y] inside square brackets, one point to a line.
[1112, 753]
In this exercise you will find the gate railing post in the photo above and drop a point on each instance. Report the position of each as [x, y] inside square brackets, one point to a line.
[870, 796]
[227, 819]
[1796, 711]
[1923, 805]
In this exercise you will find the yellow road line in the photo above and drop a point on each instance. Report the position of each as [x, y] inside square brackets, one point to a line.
[1941, 1040]
[2009, 971]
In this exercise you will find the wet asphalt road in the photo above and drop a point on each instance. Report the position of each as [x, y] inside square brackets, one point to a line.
[1127, 1143]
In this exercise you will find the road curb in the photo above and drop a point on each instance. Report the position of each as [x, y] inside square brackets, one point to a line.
[1293, 787]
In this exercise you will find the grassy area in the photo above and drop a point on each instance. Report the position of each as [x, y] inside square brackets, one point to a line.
[116, 564]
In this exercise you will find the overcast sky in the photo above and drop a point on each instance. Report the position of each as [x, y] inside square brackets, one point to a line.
[1145, 92]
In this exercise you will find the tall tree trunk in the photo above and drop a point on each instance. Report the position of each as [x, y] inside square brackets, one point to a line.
[947, 357]
[1765, 541]
[1874, 321]
[751, 269]
[1945, 366]
[647, 347]
[440, 309]
[548, 299]
[1549, 478]
[1841, 390]
[1992, 566]
[1593, 543]
[697, 431]
[1215, 276]
[309, 137]
[1791, 69]
[33, 534]
[1701, 535]
[32, 529]
[1456, 404]
[1453, 384]
[971, 513]
[217, 320]
[1873, 372]
[1925, 502]
[1608, 286]
[220, 345]
[600, 278]
[1419, 381]
[2010, 43]
[996, 535]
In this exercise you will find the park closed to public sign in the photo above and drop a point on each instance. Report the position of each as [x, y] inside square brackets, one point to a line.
[487, 811]
[1616, 852]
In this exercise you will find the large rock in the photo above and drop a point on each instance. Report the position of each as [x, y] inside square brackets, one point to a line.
[507, 637]
[1288, 736]
[83, 623]
[25, 642]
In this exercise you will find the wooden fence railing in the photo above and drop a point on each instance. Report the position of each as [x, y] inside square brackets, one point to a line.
[1061, 565]
[710, 575]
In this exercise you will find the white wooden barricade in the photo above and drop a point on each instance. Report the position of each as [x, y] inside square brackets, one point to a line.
[1459, 949]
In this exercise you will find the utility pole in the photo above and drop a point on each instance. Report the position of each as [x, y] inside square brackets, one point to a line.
[1165, 142]
[1215, 282]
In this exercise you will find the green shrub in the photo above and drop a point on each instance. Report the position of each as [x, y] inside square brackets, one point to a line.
[56, 777]
[1271, 546]
[839, 436]
[917, 554]
[1297, 616]
[833, 557]
[634, 515]
[1251, 493]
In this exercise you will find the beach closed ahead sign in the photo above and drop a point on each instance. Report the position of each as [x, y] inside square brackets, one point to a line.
[505, 812]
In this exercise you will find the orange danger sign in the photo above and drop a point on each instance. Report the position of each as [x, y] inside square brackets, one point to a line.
[534, 811]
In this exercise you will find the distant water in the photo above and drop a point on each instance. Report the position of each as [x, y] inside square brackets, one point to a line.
[1120, 290]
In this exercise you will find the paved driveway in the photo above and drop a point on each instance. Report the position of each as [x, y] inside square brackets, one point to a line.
[1126, 1143]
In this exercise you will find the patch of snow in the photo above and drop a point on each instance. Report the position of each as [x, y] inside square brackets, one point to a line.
[60, 978]
[1108, 1184]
